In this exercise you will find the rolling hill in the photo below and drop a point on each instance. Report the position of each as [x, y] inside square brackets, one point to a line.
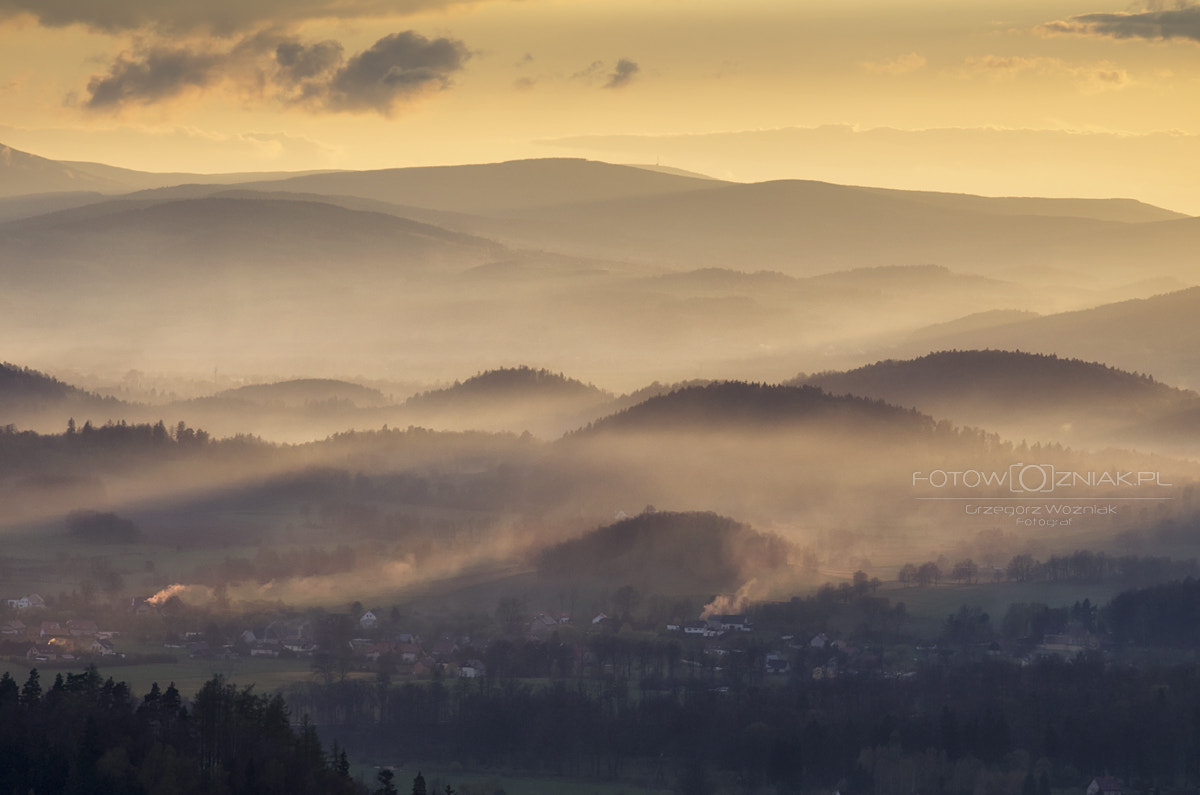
[509, 399]
[732, 405]
[689, 552]
[606, 271]
[1156, 335]
[302, 392]
[214, 231]
[32, 400]
[1019, 394]
[499, 188]
[22, 173]
[801, 228]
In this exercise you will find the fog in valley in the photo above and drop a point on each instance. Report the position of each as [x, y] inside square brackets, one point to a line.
[610, 399]
[455, 369]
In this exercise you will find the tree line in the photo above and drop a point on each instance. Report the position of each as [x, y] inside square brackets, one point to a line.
[85, 734]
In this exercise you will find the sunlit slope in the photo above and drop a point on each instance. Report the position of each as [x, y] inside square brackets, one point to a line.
[152, 238]
[23, 173]
[494, 188]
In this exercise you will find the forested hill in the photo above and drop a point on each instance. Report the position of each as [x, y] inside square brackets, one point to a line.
[702, 550]
[741, 405]
[303, 392]
[513, 383]
[1002, 377]
[24, 390]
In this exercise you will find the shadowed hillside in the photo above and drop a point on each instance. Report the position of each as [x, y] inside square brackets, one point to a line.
[695, 551]
[29, 398]
[1022, 395]
[1156, 335]
[302, 392]
[733, 404]
[514, 399]
[999, 380]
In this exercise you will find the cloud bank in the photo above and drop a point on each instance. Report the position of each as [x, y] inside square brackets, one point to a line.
[317, 76]
[216, 17]
[1152, 25]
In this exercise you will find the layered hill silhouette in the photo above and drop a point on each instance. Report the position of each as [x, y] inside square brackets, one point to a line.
[510, 399]
[1155, 335]
[694, 552]
[803, 228]
[604, 270]
[1021, 395]
[732, 405]
[307, 392]
[253, 233]
[22, 173]
[499, 188]
[588, 208]
[30, 399]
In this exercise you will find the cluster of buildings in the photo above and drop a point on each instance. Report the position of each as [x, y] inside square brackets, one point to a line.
[53, 641]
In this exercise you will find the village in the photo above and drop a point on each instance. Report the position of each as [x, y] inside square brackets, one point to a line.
[724, 649]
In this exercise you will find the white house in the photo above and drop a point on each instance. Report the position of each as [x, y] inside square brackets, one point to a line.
[26, 602]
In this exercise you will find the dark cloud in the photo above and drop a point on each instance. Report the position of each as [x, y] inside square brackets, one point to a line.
[1155, 25]
[623, 74]
[395, 68]
[303, 71]
[593, 69]
[315, 76]
[301, 62]
[153, 76]
[220, 17]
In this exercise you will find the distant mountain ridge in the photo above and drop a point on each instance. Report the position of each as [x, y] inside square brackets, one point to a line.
[22, 173]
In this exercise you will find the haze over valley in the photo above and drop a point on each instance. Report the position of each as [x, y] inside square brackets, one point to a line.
[542, 414]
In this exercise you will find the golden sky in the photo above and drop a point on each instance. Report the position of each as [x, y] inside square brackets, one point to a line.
[1048, 97]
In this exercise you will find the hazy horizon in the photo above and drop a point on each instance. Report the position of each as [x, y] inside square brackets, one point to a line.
[356, 347]
[1068, 98]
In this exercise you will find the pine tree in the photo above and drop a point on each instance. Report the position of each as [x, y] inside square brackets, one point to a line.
[31, 692]
[387, 786]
